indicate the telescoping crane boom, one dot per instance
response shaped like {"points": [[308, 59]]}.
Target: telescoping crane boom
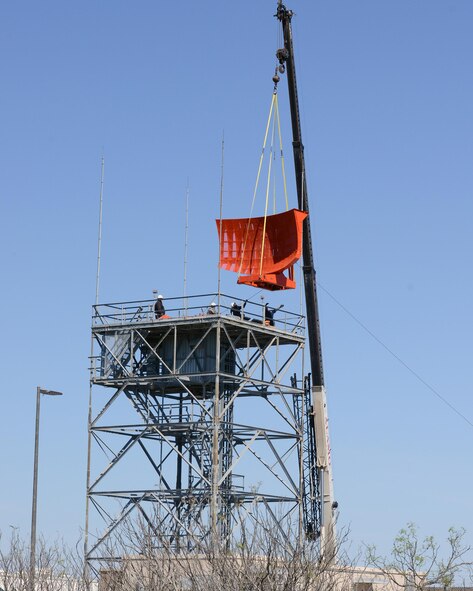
{"points": [[319, 424]]}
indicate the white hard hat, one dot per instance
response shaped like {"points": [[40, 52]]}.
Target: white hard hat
{"points": [[213, 304], [233, 304], [160, 297]]}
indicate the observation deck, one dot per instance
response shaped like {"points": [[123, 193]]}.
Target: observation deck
{"points": [[183, 310], [135, 345]]}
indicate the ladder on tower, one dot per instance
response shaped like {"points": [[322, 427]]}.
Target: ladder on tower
{"points": [[310, 493]]}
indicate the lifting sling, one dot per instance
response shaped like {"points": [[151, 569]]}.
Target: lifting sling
{"points": [[260, 249]]}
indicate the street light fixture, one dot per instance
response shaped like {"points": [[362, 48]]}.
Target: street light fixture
{"points": [[39, 391]]}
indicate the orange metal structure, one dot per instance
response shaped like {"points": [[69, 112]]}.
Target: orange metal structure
{"points": [[260, 249]]}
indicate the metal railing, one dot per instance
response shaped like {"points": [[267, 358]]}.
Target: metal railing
{"points": [[142, 311]]}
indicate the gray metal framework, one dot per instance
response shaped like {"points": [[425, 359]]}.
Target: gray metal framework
{"points": [[197, 420]]}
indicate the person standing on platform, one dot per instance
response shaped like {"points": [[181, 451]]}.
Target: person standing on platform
{"points": [[159, 310], [237, 310], [212, 308], [269, 315]]}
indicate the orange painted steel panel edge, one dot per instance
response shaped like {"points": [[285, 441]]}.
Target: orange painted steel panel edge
{"points": [[261, 252]]}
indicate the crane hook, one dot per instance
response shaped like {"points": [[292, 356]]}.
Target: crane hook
{"points": [[276, 78]]}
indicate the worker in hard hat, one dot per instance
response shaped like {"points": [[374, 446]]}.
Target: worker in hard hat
{"points": [[212, 308], [237, 310], [159, 310], [269, 315]]}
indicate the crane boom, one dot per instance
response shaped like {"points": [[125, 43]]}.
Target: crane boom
{"points": [[319, 424]]}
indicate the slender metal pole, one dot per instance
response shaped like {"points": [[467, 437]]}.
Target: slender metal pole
{"points": [[35, 493], [186, 244], [39, 391], [220, 217], [214, 499], [87, 484], [99, 245]]}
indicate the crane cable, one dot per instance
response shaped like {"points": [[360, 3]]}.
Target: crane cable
{"points": [[273, 118], [268, 182], [257, 181], [283, 169]]}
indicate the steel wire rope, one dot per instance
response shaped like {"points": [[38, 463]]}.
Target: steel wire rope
{"points": [[283, 168], [268, 184], [274, 190], [396, 356], [257, 181], [274, 185], [274, 119]]}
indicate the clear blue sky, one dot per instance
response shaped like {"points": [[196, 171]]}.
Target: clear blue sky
{"points": [[386, 92]]}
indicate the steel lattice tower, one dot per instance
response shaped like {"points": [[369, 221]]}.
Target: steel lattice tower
{"points": [[197, 421]]}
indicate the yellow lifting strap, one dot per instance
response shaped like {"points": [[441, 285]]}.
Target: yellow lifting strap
{"points": [[273, 118], [283, 170]]}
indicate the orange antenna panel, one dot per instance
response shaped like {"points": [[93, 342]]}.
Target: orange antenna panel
{"points": [[260, 249]]}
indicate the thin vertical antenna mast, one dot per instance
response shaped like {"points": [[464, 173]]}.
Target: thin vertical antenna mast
{"points": [[89, 420], [186, 243], [99, 244], [220, 216]]}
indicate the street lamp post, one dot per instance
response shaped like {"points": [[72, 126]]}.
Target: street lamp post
{"points": [[39, 391]]}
